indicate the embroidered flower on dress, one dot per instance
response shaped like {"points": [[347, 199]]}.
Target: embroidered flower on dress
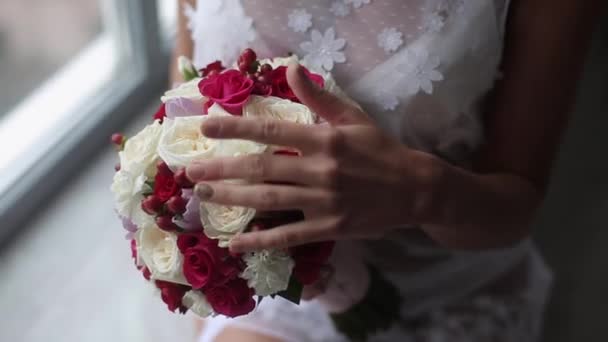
{"points": [[340, 9], [386, 100], [357, 3], [420, 71], [390, 39], [434, 23], [299, 20], [324, 49]]}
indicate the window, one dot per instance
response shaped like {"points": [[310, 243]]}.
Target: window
{"points": [[71, 70]]}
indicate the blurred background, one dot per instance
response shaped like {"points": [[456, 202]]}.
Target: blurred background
{"points": [[71, 69]]}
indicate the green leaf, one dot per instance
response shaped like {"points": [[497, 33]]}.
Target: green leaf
{"points": [[293, 293]]}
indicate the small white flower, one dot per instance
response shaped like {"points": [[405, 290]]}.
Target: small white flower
{"points": [[420, 71], [340, 9], [324, 49], [159, 252], [139, 154], [188, 90], [224, 222], [268, 271], [181, 141], [357, 3], [279, 109], [197, 303], [434, 23], [299, 20], [387, 101], [390, 39]]}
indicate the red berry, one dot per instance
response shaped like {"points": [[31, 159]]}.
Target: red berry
{"points": [[176, 205], [117, 139], [182, 180], [152, 205], [249, 55], [265, 69], [264, 79], [166, 223], [117, 167], [163, 168]]}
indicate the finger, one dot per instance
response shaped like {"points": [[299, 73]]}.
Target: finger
{"points": [[255, 168], [269, 197], [320, 101], [286, 236], [266, 131]]}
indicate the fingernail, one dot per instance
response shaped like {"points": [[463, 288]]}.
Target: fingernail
{"points": [[203, 191], [211, 128], [195, 171]]}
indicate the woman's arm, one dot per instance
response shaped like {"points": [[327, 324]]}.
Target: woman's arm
{"points": [[544, 54], [183, 43]]}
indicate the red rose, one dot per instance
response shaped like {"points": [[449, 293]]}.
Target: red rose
{"points": [[215, 67], [172, 295], [230, 89], [280, 87], [309, 259], [161, 113], [205, 263], [232, 299], [165, 186]]}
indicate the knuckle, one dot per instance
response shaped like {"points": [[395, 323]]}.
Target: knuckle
{"points": [[270, 128], [331, 174], [334, 141], [269, 199], [256, 167]]}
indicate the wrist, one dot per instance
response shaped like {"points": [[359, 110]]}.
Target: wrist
{"points": [[429, 173]]}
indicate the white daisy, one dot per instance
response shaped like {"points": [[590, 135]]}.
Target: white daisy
{"points": [[390, 39], [324, 49], [420, 71], [299, 20], [339, 9]]}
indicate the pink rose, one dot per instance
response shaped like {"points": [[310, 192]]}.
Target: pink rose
{"points": [[232, 299], [230, 89], [205, 263]]}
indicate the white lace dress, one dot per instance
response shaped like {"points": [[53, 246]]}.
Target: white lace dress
{"points": [[420, 69]]}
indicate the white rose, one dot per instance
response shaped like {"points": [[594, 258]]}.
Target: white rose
{"points": [[268, 271], [188, 90], [280, 109], [128, 191], [186, 68], [197, 303], [159, 252], [139, 154], [234, 147], [224, 222], [181, 141], [280, 61]]}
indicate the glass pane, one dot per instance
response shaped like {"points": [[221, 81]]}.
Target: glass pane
{"points": [[38, 37], [167, 14]]}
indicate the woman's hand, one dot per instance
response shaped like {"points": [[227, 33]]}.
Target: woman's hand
{"points": [[352, 180]]}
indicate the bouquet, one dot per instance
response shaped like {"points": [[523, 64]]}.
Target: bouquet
{"points": [[179, 243]]}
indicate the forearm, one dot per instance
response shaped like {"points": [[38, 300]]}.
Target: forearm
{"points": [[183, 42], [476, 211]]}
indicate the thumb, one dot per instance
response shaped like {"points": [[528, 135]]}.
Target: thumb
{"points": [[327, 105]]}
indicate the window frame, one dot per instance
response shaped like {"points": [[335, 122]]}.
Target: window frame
{"points": [[143, 56]]}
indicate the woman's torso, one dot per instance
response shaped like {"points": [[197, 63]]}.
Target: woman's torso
{"points": [[419, 67]]}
